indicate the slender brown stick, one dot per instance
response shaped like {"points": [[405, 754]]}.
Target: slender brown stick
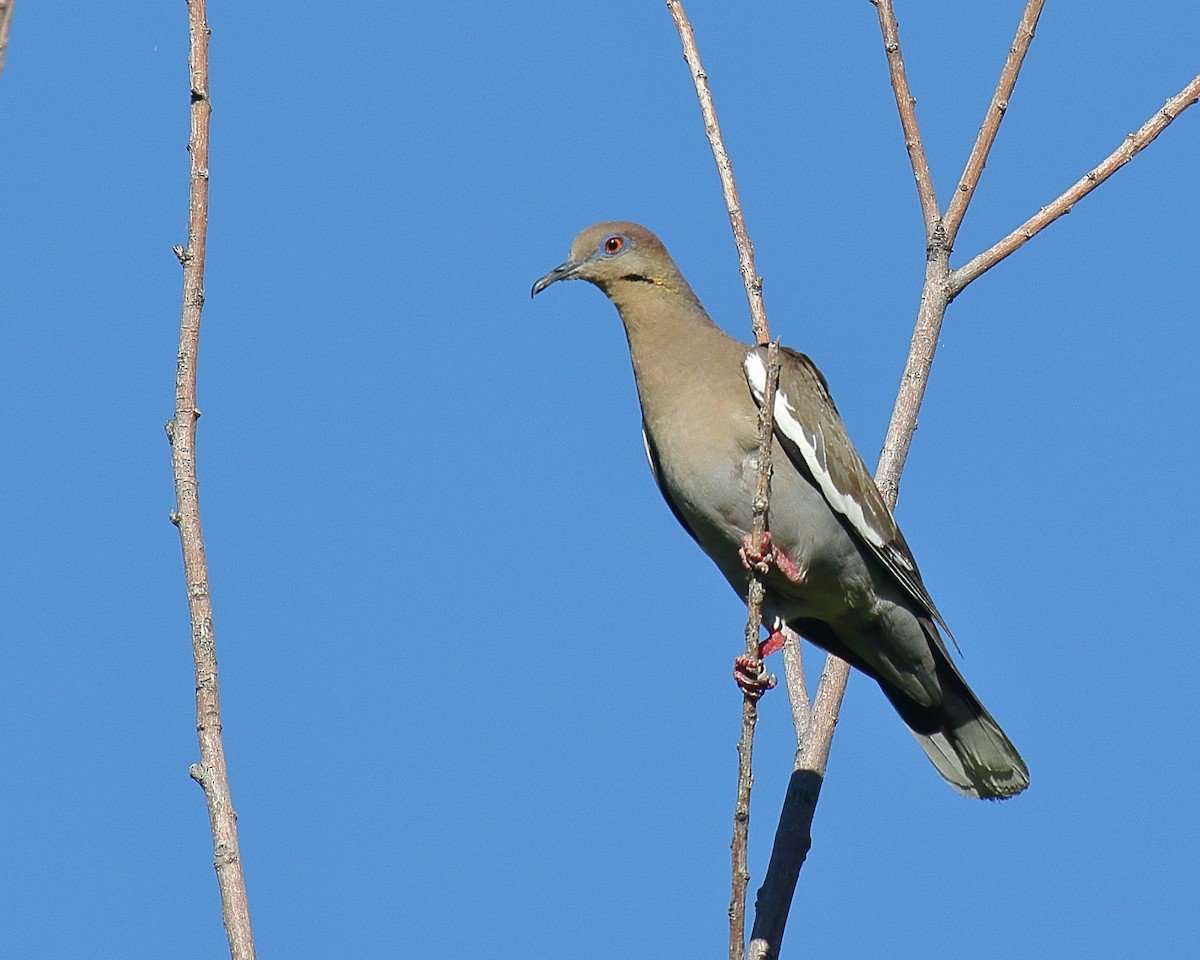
{"points": [[210, 772], [991, 122], [935, 297], [797, 688], [1133, 144], [907, 105], [750, 277], [755, 592], [6, 12], [754, 601], [793, 836]]}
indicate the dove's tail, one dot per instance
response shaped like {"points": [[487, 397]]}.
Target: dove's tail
{"points": [[965, 744], [953, 728]]}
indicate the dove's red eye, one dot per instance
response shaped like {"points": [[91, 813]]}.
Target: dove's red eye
{"points": [[614, 245]]}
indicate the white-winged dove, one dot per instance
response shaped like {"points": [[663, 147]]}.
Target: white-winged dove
{"points": [[842, 575]]}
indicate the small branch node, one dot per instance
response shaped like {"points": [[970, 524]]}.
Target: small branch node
{"points": [[175, 517], [181, 254]]}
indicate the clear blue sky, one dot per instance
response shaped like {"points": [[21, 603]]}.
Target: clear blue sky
{"points": [[476, 681]]}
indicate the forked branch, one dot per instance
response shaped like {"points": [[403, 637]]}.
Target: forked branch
{"points": [[991, 122], [1130, 147], [907, 105], [815, 726]]}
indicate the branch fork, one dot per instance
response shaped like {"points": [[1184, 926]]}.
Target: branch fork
{"points": [[815, 720]]}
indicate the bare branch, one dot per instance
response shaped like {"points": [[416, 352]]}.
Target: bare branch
{"points": [[6, 12], [991, 123], [211, 772], [930, 314], [907, 104], [1133, 144], [797, 688], [754, 600], [755, 592], [793, 836], [750, 277]]}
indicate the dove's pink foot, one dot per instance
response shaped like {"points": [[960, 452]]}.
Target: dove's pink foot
{"points": [[750, 673], [752, 677], [753, 559]]}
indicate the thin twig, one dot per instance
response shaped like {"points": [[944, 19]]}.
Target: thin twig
{"points": [[797, 687], [756, 590], [750, 277], [991, 122], [6, 12], [907, 104], [1133, 144], [211, 772], [754, 601]]}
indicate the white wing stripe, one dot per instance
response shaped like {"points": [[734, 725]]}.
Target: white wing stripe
{"points": [[812, 445]]}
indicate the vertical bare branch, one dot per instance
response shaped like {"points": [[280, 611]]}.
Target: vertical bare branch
{"points": [[750, 277], [754, 601], [1133, 144], [935, 297], [907, 104], [793, 836], [991, 123], [797, 688], [6, 12], [755, 592], [210, 772]]}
